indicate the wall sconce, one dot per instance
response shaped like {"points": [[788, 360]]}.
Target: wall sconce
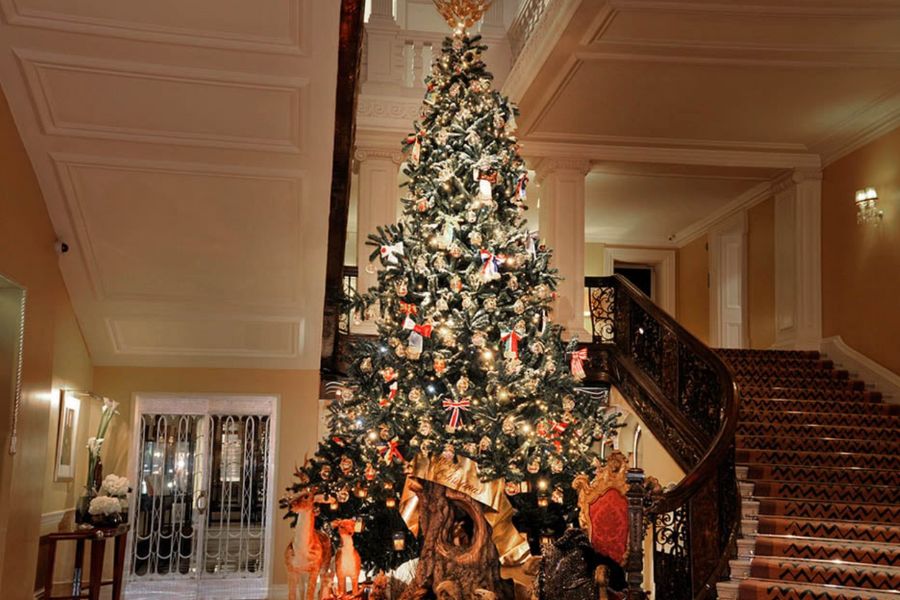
{"points": [[867, 207]]}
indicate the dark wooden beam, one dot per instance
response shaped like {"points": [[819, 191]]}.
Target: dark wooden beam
{"points": [[349, 58]]}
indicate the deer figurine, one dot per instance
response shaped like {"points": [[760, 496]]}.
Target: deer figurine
{"points": [[346, 561], [309, 552]]}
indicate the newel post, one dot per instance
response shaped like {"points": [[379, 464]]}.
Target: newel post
{"points": [[634, 561]]}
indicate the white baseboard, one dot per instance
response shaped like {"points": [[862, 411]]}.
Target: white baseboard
{"points": [[884, 380]]}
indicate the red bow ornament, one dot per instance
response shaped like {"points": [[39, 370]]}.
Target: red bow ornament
{"points": [[392, 393], [455, 407], [390, 451], [417, 333], [577, 363]]}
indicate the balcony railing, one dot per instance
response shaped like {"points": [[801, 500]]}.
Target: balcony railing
{"points": [[525, 24]]}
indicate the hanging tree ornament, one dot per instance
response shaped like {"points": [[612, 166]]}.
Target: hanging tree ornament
{"points": [[510, 339], [390, 451], [390, 252], [490, 265], [392, 394], [454, 407], [577, 363]]}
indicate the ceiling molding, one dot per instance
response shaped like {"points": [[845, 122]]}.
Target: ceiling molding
{"points": [[722, 157], [296, 43], [37, 68], [797, 58], [64, 165], [624, 240], [852, 137], [845, 8], [744, 202], [588, 138], [125, 342]]}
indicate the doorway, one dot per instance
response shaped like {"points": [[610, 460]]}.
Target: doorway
{"points": [[642, 276], [201, 513]]}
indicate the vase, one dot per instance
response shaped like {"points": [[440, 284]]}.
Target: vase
{"points": [[81, 509], [106, 521]]}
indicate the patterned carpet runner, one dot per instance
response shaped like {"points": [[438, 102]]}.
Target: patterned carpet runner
{"points": [[821, 454]]}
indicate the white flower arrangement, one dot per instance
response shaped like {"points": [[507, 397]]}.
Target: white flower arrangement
{"points": [[116, 486], [105, 505]]}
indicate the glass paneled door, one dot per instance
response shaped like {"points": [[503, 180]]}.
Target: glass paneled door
{"points": [[201, 512]]}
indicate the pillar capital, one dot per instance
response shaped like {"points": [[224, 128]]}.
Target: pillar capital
{"points": [[791, 179], [364, 153], [553, 165]]}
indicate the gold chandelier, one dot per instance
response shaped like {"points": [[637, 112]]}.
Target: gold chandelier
{"points": [[462, 14]]}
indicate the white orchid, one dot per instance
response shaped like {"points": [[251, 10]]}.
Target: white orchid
{"points": [[113, 485], [110, 406], [94, 445], [105, 505]]}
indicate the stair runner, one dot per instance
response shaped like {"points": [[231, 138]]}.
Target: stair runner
{"points": [[818, 458]]}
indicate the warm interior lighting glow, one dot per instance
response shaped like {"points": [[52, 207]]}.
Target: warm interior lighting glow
{"points": [[867, 210]]}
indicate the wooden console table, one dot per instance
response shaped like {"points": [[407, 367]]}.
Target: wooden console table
{"points": [[97, 538]]}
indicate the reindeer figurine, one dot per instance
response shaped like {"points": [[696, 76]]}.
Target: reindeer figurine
{"points": [[346, 561], [309, 552]]}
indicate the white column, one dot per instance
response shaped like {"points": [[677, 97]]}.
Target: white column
{"points": [[798, 260], [561, 222], [378, 199]]}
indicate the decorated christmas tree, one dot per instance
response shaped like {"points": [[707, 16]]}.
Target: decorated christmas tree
{"points": [[468, 396]]}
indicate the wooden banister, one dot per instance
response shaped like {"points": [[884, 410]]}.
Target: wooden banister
{"points": [[687, 397]]}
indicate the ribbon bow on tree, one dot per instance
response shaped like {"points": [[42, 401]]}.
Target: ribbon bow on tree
{"points": [[390, 451], [511, 340], [392, 393], [521, 185], [455, 407], [417, 333], [490, 265], [577, 363], [556, 431], [390, 252], [408, 308]]}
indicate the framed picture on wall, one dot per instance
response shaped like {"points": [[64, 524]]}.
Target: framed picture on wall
{"points": [[69, 406]]}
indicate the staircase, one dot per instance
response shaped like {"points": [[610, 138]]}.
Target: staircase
{"points": [[818, 460]]}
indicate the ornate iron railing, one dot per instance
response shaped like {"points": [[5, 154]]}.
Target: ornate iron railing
{"points": [[687, 398]]}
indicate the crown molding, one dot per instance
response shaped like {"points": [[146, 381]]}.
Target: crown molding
{"points": [[846, 8], [629, 241], [833, 152], [744, 202], [721, 157]]}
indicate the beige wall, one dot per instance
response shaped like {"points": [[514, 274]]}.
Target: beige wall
{"points": [[54, 355], [761, 274], [298, 392], [861, 263], [692, 289]]}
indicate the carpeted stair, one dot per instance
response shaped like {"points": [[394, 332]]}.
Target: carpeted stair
{"points": [[818, 457]]}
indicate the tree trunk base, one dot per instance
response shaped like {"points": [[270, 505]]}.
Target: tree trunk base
{"points": [[458, 559]]}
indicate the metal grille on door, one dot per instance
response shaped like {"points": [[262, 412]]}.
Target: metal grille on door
{"points": [[201, 501]]}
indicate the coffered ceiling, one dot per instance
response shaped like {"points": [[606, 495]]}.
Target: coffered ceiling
{"points": [[184, 153]]}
